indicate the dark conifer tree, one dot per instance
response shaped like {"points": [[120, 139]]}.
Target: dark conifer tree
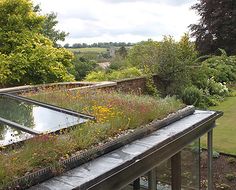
{"points": [[217, 26]]}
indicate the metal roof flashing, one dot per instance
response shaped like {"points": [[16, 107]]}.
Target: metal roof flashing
{"points": [[118, 168]]}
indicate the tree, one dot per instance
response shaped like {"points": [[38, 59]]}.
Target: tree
{"points": [[122, 51], [18, 24], [144, 55], [173, 66], [217, 26], [26, 55], [67, 45], [48, 29], [82, 67]]}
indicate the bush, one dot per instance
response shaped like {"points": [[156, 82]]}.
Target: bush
{"points": [[217, 88], [215, 154], [82, 67], [125, 73], [169, 59], [192, 96], [114, 75], [118, 63], [144, 56], [96, 76], [173, 66], [222, 68]]}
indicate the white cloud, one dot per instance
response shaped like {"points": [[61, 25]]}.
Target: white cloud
{"points": [[122, 20]]}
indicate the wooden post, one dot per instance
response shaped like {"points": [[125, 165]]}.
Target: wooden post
{"points": [[176, 171], [152, 180], [209, 160], [136, 184]]}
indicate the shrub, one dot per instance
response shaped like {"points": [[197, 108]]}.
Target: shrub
{"points": [[117, 63], [144, 56], [215, 154], [217, 88], [192, 96], [96, 76], [173, 67], [82, 67], [114, 75], [222, 68], [125, 73]]}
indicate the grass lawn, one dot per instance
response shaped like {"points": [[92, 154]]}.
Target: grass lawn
{"points": [[84, 50], [224, 135]]}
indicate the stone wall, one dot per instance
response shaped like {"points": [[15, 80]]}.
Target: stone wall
{"points": [[133, 85]]}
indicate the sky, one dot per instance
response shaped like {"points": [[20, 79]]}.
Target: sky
{"points": [[89, 21]]}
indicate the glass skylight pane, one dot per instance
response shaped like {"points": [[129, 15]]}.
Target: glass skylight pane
{"points": [[9, 135], [36, 117]]}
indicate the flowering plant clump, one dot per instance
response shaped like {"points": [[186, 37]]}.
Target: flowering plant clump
{"points": [[115, 113]]}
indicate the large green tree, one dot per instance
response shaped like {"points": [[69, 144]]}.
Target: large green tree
{"points": [[27, 55], [172, 61], [145, 56], [49, 30], [216, 27]]}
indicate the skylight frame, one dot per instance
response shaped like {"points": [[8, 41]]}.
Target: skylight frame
{"points": [[45, 105]]}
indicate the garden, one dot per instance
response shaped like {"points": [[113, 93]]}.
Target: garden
{"points": [[200, 73], [117, 114]]}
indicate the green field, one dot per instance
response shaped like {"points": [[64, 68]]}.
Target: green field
{"points": [[89, 50], [224, 138]]}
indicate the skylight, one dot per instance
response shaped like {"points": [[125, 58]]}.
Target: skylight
{"points": [[22, 118]]}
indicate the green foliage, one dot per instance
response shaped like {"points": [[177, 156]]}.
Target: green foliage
{"points": [[117, 63], [122, 51], [18, 24], [216, 88], [168, 59], [173, 66], [216, 27], [4, 70], [222, 68], [114, 75], [150, 86], [125, 73], [144, 56], [27, 56], [210, 95], [48, 29], [192, 95], [96, 76], [215, 154], [82, 67], [114, 112], [187, 51], [212, 75], [39, 65]]}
